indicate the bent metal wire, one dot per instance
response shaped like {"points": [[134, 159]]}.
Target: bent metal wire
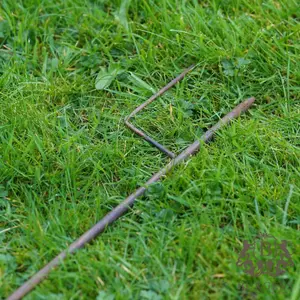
{"points": [[124, 206], [151, 99]]}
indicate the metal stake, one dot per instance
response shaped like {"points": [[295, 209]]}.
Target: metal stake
{"points": [[129, 201]]}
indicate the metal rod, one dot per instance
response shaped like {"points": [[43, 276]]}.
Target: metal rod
{"points": [[150, 140], [147, 102], [127, 203]]}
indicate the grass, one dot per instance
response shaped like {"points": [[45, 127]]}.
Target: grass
{"points": [[66, 157]]}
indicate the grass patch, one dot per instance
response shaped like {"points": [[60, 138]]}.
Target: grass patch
{"points": [[66, 157]]}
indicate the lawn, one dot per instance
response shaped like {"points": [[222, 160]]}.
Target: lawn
{"points": [[72, 70]]}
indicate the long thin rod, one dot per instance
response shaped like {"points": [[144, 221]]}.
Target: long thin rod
{"points": [[147, 102], [127, 203]]}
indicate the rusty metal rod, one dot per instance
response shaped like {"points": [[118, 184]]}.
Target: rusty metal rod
{"points": [[127, 203], [147, 102]]}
